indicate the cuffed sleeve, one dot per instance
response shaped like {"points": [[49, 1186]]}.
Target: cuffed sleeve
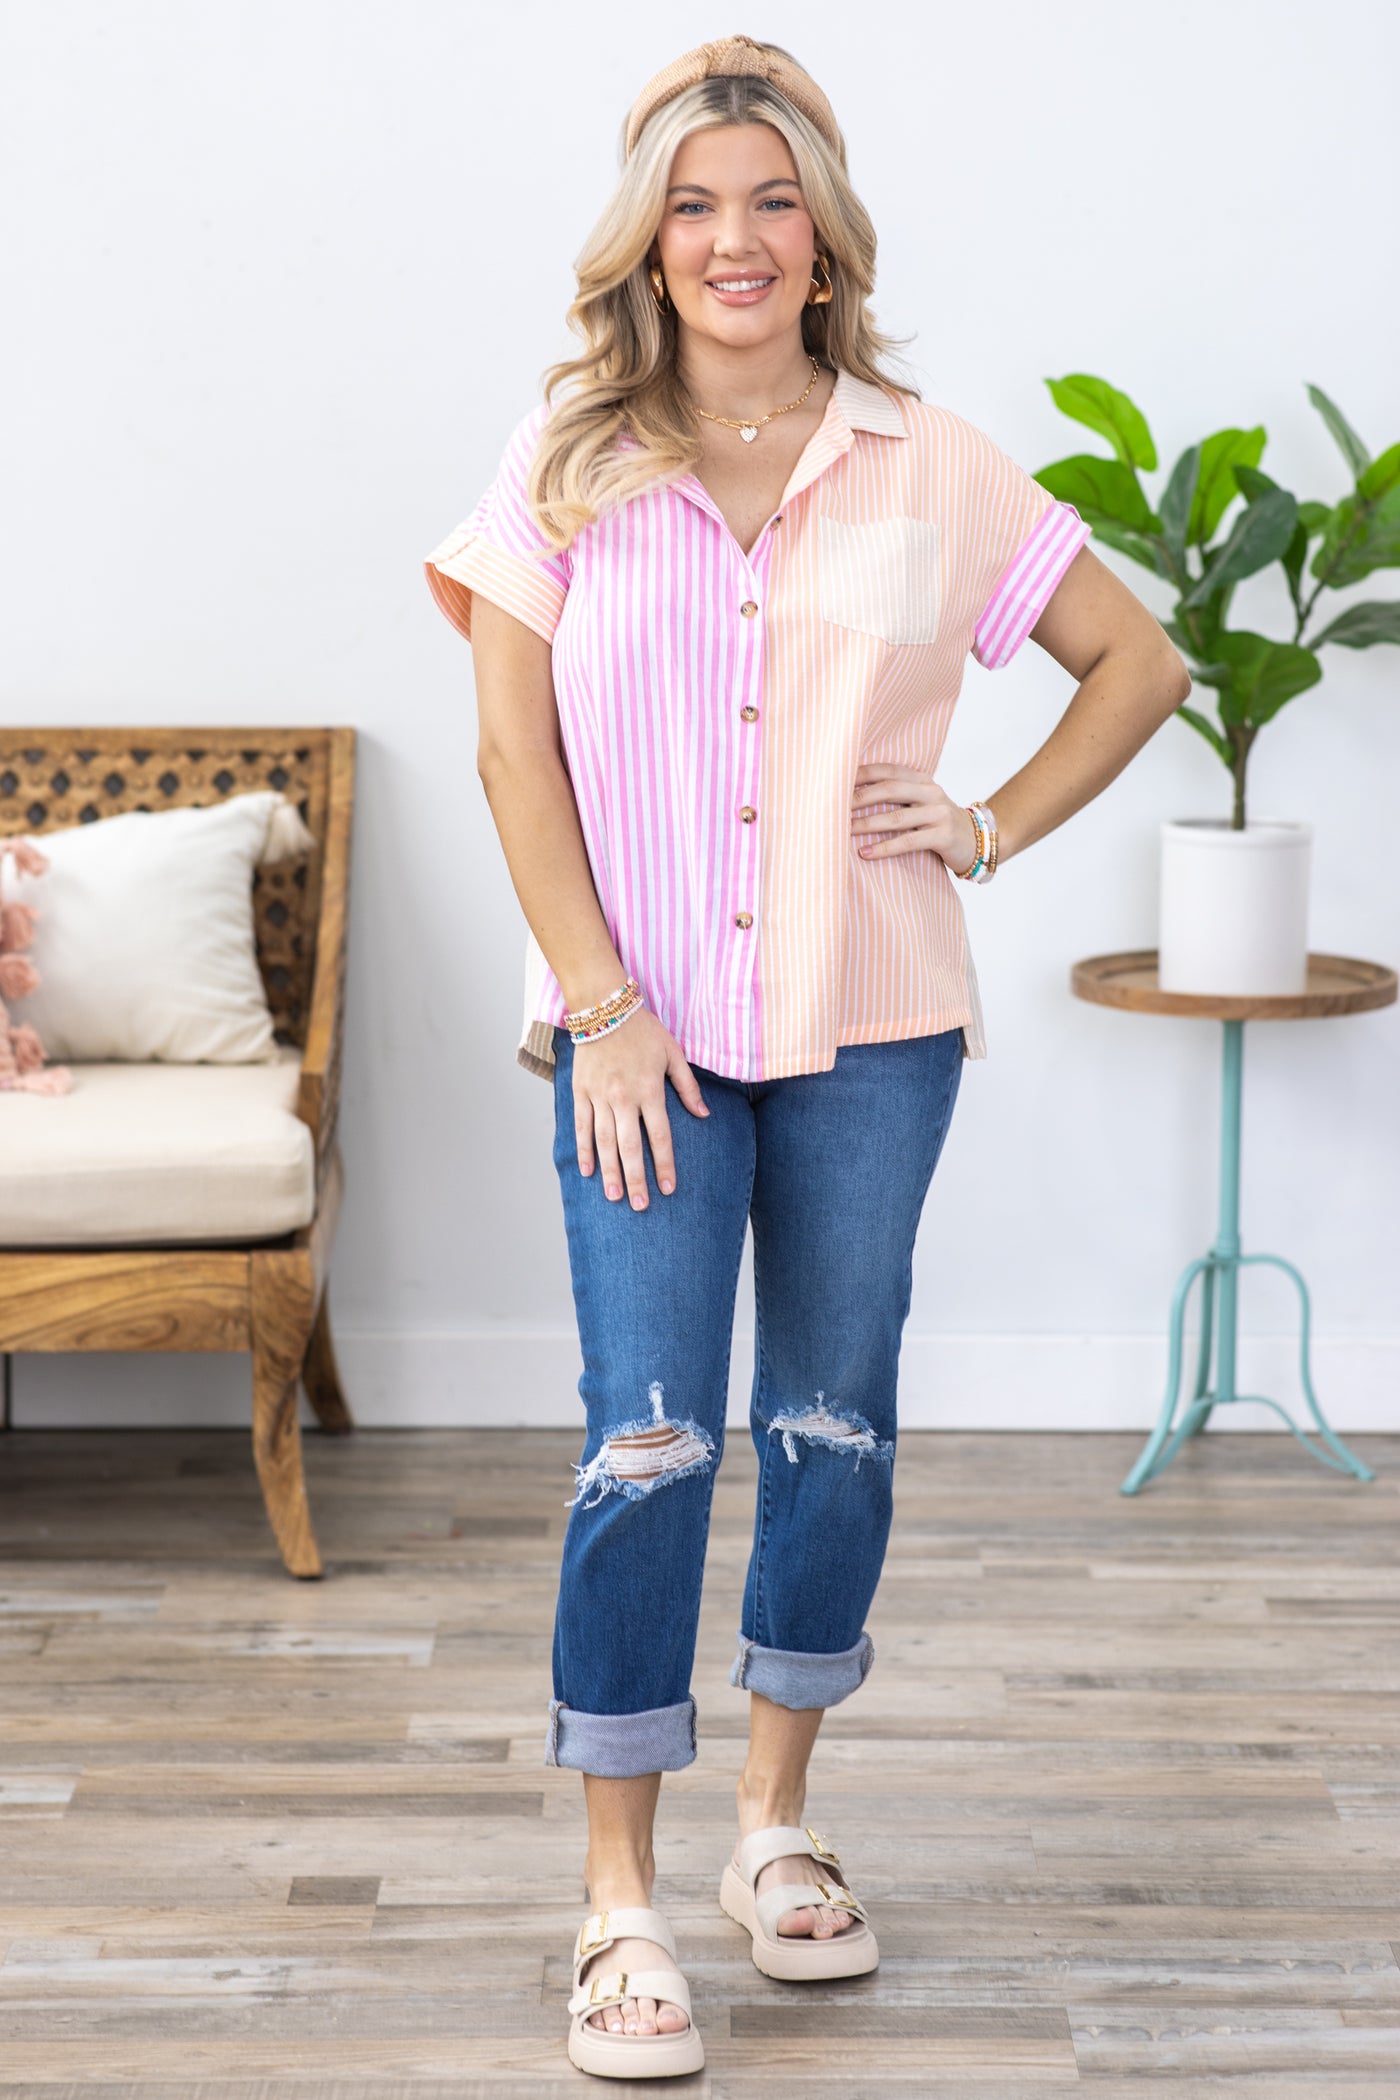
{"points": [[500, 551], [1016, 547], [1028, 582]]}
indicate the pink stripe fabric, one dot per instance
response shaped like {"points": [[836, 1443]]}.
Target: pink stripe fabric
{"points": [[1028, 585], [715, 705]]}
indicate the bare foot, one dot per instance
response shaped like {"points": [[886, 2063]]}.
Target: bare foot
{"points": [[818, 1921], [635, 2015]]}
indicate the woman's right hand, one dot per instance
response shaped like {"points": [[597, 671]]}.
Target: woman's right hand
{"points": [[619, 1084]]}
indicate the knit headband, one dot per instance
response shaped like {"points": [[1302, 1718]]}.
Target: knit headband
{"points": [[735, 55]]}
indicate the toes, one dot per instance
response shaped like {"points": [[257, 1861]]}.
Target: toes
{"points": [[819, 1922], [640, 2016]]}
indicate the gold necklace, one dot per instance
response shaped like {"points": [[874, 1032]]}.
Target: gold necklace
{"points": [[749, 429]]}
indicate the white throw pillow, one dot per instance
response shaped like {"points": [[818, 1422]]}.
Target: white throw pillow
{"points": [[145, 945]]}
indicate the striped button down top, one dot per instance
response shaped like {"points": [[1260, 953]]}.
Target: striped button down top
{"points": [[714, 707]]}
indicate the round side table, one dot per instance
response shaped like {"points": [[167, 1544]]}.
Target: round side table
{"points": [[1337, 984]]}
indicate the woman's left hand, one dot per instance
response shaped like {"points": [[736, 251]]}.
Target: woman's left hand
{"points": [[928, 818]]}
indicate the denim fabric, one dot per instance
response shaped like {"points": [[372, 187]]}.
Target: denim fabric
{"points": [[831, 1169], [790, 1678]]}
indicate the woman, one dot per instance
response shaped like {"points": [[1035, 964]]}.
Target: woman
{"points": [[720, 597]]}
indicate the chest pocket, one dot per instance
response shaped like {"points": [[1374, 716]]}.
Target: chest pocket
{"points": [[882, 579]]}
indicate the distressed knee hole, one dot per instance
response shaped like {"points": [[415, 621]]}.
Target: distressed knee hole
{"points": [[644, 1455], [821, 1425]]}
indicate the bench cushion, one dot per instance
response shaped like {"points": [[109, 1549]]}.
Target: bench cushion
{"points": [[142, 1153]]}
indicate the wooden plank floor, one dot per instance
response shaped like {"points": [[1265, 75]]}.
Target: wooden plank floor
{"points": [[1122, 1790]]}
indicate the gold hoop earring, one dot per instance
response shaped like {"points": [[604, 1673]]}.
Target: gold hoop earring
{"points": [[658, 289], [820, 291]]}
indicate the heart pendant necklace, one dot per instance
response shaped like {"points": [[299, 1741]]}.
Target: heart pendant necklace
{"points": [[750, 427]]}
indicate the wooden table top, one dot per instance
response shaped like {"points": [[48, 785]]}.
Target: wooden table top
{"points": [[1337, 984]]}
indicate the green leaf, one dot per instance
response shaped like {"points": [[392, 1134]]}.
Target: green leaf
{"points": [[1103, 408], [1148, 552], [1254, 483], [1207, 622], [1360, 538], [1295, 554], [1264, 675], [1177, 498], [1381, 476], [1348, 443], [1231, 703], [1176, 634], [1100, 489], [1217, 487], [1208, 730], [1261, 534], [1360, 626], [1313, 517]]}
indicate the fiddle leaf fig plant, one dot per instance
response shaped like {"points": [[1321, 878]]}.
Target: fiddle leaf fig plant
{"points": [[1191, 540]]}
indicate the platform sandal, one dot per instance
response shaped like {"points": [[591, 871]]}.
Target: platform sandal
{"points": [[629, 2055], [795, 1957]]}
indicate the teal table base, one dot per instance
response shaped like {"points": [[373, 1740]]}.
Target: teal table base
{"points": [[1220, 1276]]}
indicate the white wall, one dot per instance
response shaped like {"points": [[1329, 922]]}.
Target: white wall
{"points": [[282, 277]]}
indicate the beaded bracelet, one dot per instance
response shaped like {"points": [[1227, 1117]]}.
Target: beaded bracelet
{"points": [[589, 1022], [983, 811], [984, 823], [970, 874]]}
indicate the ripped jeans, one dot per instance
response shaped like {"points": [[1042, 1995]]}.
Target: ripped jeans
{"points": [[832, 1169]]}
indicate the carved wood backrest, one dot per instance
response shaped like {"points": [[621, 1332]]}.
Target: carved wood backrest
{"points": [[52, 778]]}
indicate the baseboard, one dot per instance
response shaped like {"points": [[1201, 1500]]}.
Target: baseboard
{"points": [[530, 1381]]}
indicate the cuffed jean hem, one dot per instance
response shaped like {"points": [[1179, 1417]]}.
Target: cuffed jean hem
{"points": [[790, 1678], [621, 1746]]}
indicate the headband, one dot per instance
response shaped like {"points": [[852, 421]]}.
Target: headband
{"points": [[733, 55]]}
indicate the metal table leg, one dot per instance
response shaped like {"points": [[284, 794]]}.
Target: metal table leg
{"points": [[1219, 1271]]}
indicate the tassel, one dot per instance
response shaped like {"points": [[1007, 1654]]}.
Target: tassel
{"points": [[287, 835]]}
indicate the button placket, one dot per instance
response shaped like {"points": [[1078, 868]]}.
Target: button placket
{"points": [[744, 898]]}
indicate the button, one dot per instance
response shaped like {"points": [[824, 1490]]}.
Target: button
{"points": [[748, 608], [748, 814], [749, 714], [779, 519], [743, 918]]}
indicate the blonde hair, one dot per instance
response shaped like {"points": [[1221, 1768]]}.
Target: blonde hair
{"points": [[625, 381]]}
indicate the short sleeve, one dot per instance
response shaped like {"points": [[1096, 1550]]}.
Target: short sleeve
{"points": [[500, 551], [1023, 541]]}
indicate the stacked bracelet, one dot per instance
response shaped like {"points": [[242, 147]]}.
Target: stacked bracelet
{"points": [[984, 867], [592, 1021]]}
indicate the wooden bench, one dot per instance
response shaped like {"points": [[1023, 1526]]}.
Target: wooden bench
{"points": [[266, 1296]]}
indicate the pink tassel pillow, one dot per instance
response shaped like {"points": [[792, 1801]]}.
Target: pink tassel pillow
{"points": [[22, 1069]]}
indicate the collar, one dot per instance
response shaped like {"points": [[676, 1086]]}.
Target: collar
{"points": [[864, 406], [855, 404]]}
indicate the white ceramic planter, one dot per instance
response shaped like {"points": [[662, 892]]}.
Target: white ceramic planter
{"points": [[1234, 907]]}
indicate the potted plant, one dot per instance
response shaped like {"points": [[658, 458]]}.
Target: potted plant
{"points": [[1234, 893]]}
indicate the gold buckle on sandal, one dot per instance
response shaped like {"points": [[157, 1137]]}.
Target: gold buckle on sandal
{"points": [[839, 1898], [598, 1996], [820, 1848], [591, 1946]]}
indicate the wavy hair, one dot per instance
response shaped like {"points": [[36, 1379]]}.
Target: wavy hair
{"points": [[625, 384]]}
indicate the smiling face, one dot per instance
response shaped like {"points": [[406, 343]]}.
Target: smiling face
{"points": [[736, 241]]}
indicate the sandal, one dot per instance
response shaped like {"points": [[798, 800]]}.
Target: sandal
{"points": [[795, 1957], [629, 2055]]}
